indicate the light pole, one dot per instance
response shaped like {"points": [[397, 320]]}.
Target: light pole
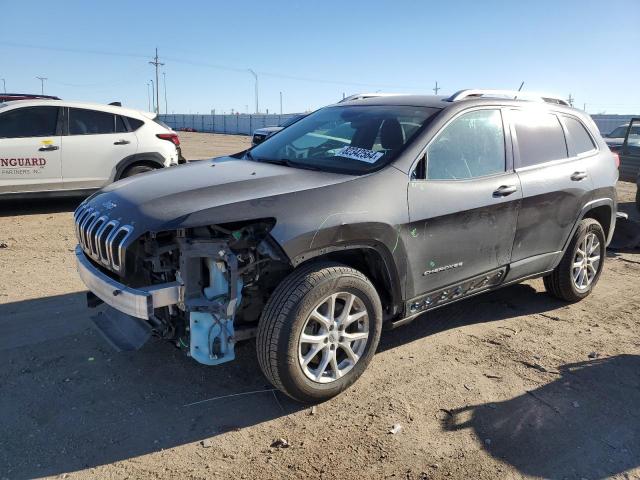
{"points": [[148, 97], [156, 63], [42, 79], [255, 76], [4, 85], [164, 80], [153, 89], [280, 103]]}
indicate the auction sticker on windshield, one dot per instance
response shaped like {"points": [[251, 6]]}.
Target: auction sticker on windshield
{"points": [[361, 154]]}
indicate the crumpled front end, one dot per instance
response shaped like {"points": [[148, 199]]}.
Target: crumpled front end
{"points": [[201, 288]]}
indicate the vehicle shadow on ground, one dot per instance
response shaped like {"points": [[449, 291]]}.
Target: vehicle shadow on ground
{"points": [[626, 237], [514, 301], [585, 424], [69, 402], [36, 206]]}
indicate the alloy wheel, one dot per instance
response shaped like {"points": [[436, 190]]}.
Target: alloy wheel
{"points": [[334, 337], [586, 262]]}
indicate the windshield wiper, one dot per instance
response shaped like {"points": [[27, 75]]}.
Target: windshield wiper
{"points": [[282, 161]]}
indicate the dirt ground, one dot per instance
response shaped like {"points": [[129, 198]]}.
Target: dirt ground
{"points": [[511, 384], [198, 146]]}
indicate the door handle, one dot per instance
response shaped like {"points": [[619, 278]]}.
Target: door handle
{"points": [[505, 190], [577, 176], [122, 142], [48, 148]]}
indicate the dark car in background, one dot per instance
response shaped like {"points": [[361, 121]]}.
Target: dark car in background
{"points": [[617, 136], [625, 142], [260, 134]]}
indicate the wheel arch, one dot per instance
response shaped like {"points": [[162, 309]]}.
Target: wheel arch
{"points": [[603, 210], [152, 159], [374, 261], [603, 214]]}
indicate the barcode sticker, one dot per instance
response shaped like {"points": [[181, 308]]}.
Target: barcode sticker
{"points": [[361, 154]]}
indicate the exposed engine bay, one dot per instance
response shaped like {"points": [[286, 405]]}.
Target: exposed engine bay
{"points": [[225, 275]]}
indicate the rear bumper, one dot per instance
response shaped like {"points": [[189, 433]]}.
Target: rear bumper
{"points": [[137, 302]]}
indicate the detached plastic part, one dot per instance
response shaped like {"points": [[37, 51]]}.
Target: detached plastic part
{"points": [[212, 334], [211, 338], [123, 332]]}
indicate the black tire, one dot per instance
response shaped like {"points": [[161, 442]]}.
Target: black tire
{"points": [[136, 170], [560, 283], [284, 319]]}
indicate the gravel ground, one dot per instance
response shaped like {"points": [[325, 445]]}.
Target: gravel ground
{"points": [[510, 384]]}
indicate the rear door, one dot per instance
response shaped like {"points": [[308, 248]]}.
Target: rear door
{"points": [[463, 203], [30, 149], [94, 143], [555, 185]]}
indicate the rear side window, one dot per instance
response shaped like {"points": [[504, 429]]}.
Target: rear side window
{"points": [[540, 137], [90, 122], [134, 123], [161, 123], [29, 122], [579, 139], [471, 146], [120, 126]]}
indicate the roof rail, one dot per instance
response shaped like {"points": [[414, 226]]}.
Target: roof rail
{"points": [[362, 96], [515, 94]]}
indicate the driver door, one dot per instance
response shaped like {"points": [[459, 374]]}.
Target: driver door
{"points": [[463, 203], [30, 140]]}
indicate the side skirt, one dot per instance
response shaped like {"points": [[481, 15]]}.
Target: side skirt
{"points": [[493, 280]]}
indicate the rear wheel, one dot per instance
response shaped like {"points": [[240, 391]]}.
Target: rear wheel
{"points": [[136, 170], [579, 270], [319, 331]]}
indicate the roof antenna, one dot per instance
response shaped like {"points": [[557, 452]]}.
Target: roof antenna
{"points": [[519, 89]]}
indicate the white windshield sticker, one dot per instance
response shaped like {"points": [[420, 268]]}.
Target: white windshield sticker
{"points": [[361, 154]]}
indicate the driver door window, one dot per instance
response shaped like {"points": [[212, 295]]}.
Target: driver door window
{"points": [[471, 146]]}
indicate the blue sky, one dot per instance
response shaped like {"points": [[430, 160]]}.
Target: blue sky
{"points": [[314, 51]]}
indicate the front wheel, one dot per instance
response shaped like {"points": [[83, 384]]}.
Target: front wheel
{"points": [[579, 270], [319, 331]]}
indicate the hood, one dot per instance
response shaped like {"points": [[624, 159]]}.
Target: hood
{"points": [[267, 130], [190, 195]]}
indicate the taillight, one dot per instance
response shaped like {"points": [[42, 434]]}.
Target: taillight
{"points": [[616, 159], [172, 137]]}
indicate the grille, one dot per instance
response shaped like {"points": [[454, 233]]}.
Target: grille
{"points": [[101, 239]]}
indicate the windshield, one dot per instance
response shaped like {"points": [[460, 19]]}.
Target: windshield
{"points": [[350, 139], [620, 132]]}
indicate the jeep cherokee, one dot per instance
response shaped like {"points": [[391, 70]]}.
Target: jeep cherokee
{"points": [[364, 214]]}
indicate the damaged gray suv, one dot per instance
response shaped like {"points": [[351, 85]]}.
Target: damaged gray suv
{"points": [[363, 215]]}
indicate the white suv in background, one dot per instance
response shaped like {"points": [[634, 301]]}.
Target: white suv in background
{"points": [[57, 147]]}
